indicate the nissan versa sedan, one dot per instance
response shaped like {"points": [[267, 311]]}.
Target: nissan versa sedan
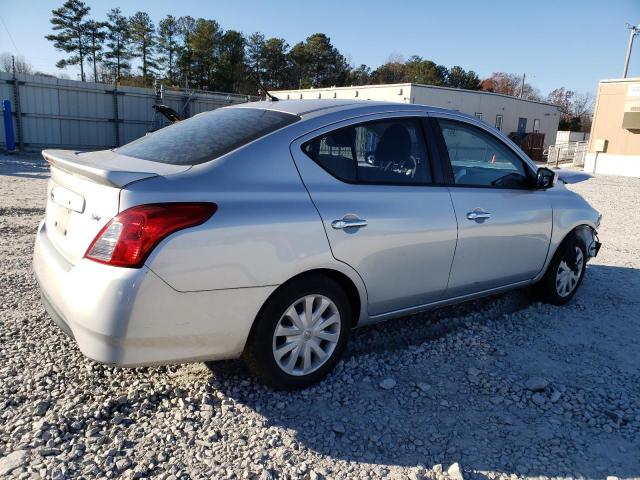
{"points": [[269, 230]]}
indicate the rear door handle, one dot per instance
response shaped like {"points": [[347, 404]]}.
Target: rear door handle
{"points": [[478, 214], [348, 223]]}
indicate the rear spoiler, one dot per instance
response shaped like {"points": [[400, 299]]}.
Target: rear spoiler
{"points": [[107, 167]]}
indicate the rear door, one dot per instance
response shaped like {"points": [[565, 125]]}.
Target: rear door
{"points": [[372, 183], [504, 225]]}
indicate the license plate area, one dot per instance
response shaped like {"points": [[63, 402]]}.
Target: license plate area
{"points": [[61, 220]]}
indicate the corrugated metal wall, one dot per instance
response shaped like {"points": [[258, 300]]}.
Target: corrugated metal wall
{"points": [[82, 115]]}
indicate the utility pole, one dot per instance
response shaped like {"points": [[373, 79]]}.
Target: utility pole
{"points": [[633, 31], [524, 75]]}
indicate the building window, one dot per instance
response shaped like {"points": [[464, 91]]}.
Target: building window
{"points": [[478, 115], [536, 125], [499, 122]]}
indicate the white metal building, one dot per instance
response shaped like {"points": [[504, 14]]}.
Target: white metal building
{"points": [[509, 114]]}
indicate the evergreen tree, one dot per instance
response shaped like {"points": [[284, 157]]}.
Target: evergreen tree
{"points": [[168, 46], [143, 39], [275, 63], [460, 78], [96, 34], [255, 45], [186, 30], [204, 44], [299, 60], [326, 66], [425, 72], [231, 64], [360, 75], [69, 20], [118, 52]]}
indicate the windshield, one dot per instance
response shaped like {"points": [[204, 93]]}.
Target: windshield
{"points": [[207, 136]]}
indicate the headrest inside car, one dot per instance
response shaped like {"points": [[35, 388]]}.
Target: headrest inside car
{"points": [[341, 139]]}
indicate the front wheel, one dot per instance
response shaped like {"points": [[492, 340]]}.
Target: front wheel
{"points": [[565, 272], [300, 334]]}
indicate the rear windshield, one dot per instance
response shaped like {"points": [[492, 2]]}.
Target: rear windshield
{"points": [[207, 135]]}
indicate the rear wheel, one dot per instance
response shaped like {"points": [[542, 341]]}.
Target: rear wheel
{"points": [[299, 334], [565, 272]]}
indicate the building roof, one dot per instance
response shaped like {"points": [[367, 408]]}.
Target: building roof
{"points": [[620, 80], [419, 85]]}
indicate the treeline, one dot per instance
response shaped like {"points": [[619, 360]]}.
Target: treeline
{"points": [[198, 53]]}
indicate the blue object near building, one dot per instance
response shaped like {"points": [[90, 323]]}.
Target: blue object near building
{"points": [[10, 138]]}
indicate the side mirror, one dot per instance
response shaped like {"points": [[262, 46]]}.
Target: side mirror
{"points": [[546, 178]]}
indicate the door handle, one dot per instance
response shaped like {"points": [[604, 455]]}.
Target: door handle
{"points": [[478, 214], [349, 223]]}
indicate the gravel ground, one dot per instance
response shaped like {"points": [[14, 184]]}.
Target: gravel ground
{"points": [[499, 388]]}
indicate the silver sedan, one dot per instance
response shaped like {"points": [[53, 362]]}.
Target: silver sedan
{"points": [[270, 230]]}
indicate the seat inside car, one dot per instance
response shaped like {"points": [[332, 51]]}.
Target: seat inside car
{"points": [[394, 148]]}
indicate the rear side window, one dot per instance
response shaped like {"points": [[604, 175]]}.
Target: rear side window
{"points": [[207, 135], [384, 152]]}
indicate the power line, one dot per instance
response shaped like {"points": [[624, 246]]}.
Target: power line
{"points": [[10, 37]]}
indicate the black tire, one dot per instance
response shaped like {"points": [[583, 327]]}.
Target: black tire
{"points": [[258, 353], [548, 289]]}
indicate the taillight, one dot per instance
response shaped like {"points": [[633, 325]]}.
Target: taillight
{"points": [[128, 239]]}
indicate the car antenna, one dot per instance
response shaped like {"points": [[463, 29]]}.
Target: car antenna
{"points": [[262, 89]]}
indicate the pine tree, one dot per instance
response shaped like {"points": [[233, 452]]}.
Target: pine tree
{"points": [[255, 45], [69, 21], [186, 29], [275, 62], [231, 63], [118, 40], [205, 44], [143, 38], [96, 34], [168, 47]]}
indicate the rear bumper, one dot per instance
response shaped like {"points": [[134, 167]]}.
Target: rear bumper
{"points": [[130, 317]]}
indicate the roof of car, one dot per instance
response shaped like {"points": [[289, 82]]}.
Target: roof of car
{"points": [[308, 107]]}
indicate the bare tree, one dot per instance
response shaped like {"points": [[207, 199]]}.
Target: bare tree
{"points": [[582, 105], [21, 64]]}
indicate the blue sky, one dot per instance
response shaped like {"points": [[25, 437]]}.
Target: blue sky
{"points": [[569, 43]]}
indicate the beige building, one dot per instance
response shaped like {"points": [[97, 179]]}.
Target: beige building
{"points": [[614, 145], [506, 113]]}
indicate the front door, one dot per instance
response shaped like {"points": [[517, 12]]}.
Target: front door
{"points": [[372, 185], [522, 126], [504, 225]]}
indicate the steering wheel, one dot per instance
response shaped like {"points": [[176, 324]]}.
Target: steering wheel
{"points": [[503, 181], [408, 167]]}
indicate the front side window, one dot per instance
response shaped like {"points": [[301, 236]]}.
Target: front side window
{"points": [[386, 152], [479, 159], [207, 136]]}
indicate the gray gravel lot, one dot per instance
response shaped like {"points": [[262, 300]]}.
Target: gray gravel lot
{"points": [[499, 388]]}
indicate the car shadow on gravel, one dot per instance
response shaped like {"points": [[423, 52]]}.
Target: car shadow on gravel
{"points": [[441, 411], [24, 165]]}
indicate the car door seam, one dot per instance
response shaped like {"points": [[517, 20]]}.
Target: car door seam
{"points": [[455, 248]]}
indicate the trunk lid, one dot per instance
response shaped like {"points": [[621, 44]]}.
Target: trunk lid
{"points": [[83, 194]]}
